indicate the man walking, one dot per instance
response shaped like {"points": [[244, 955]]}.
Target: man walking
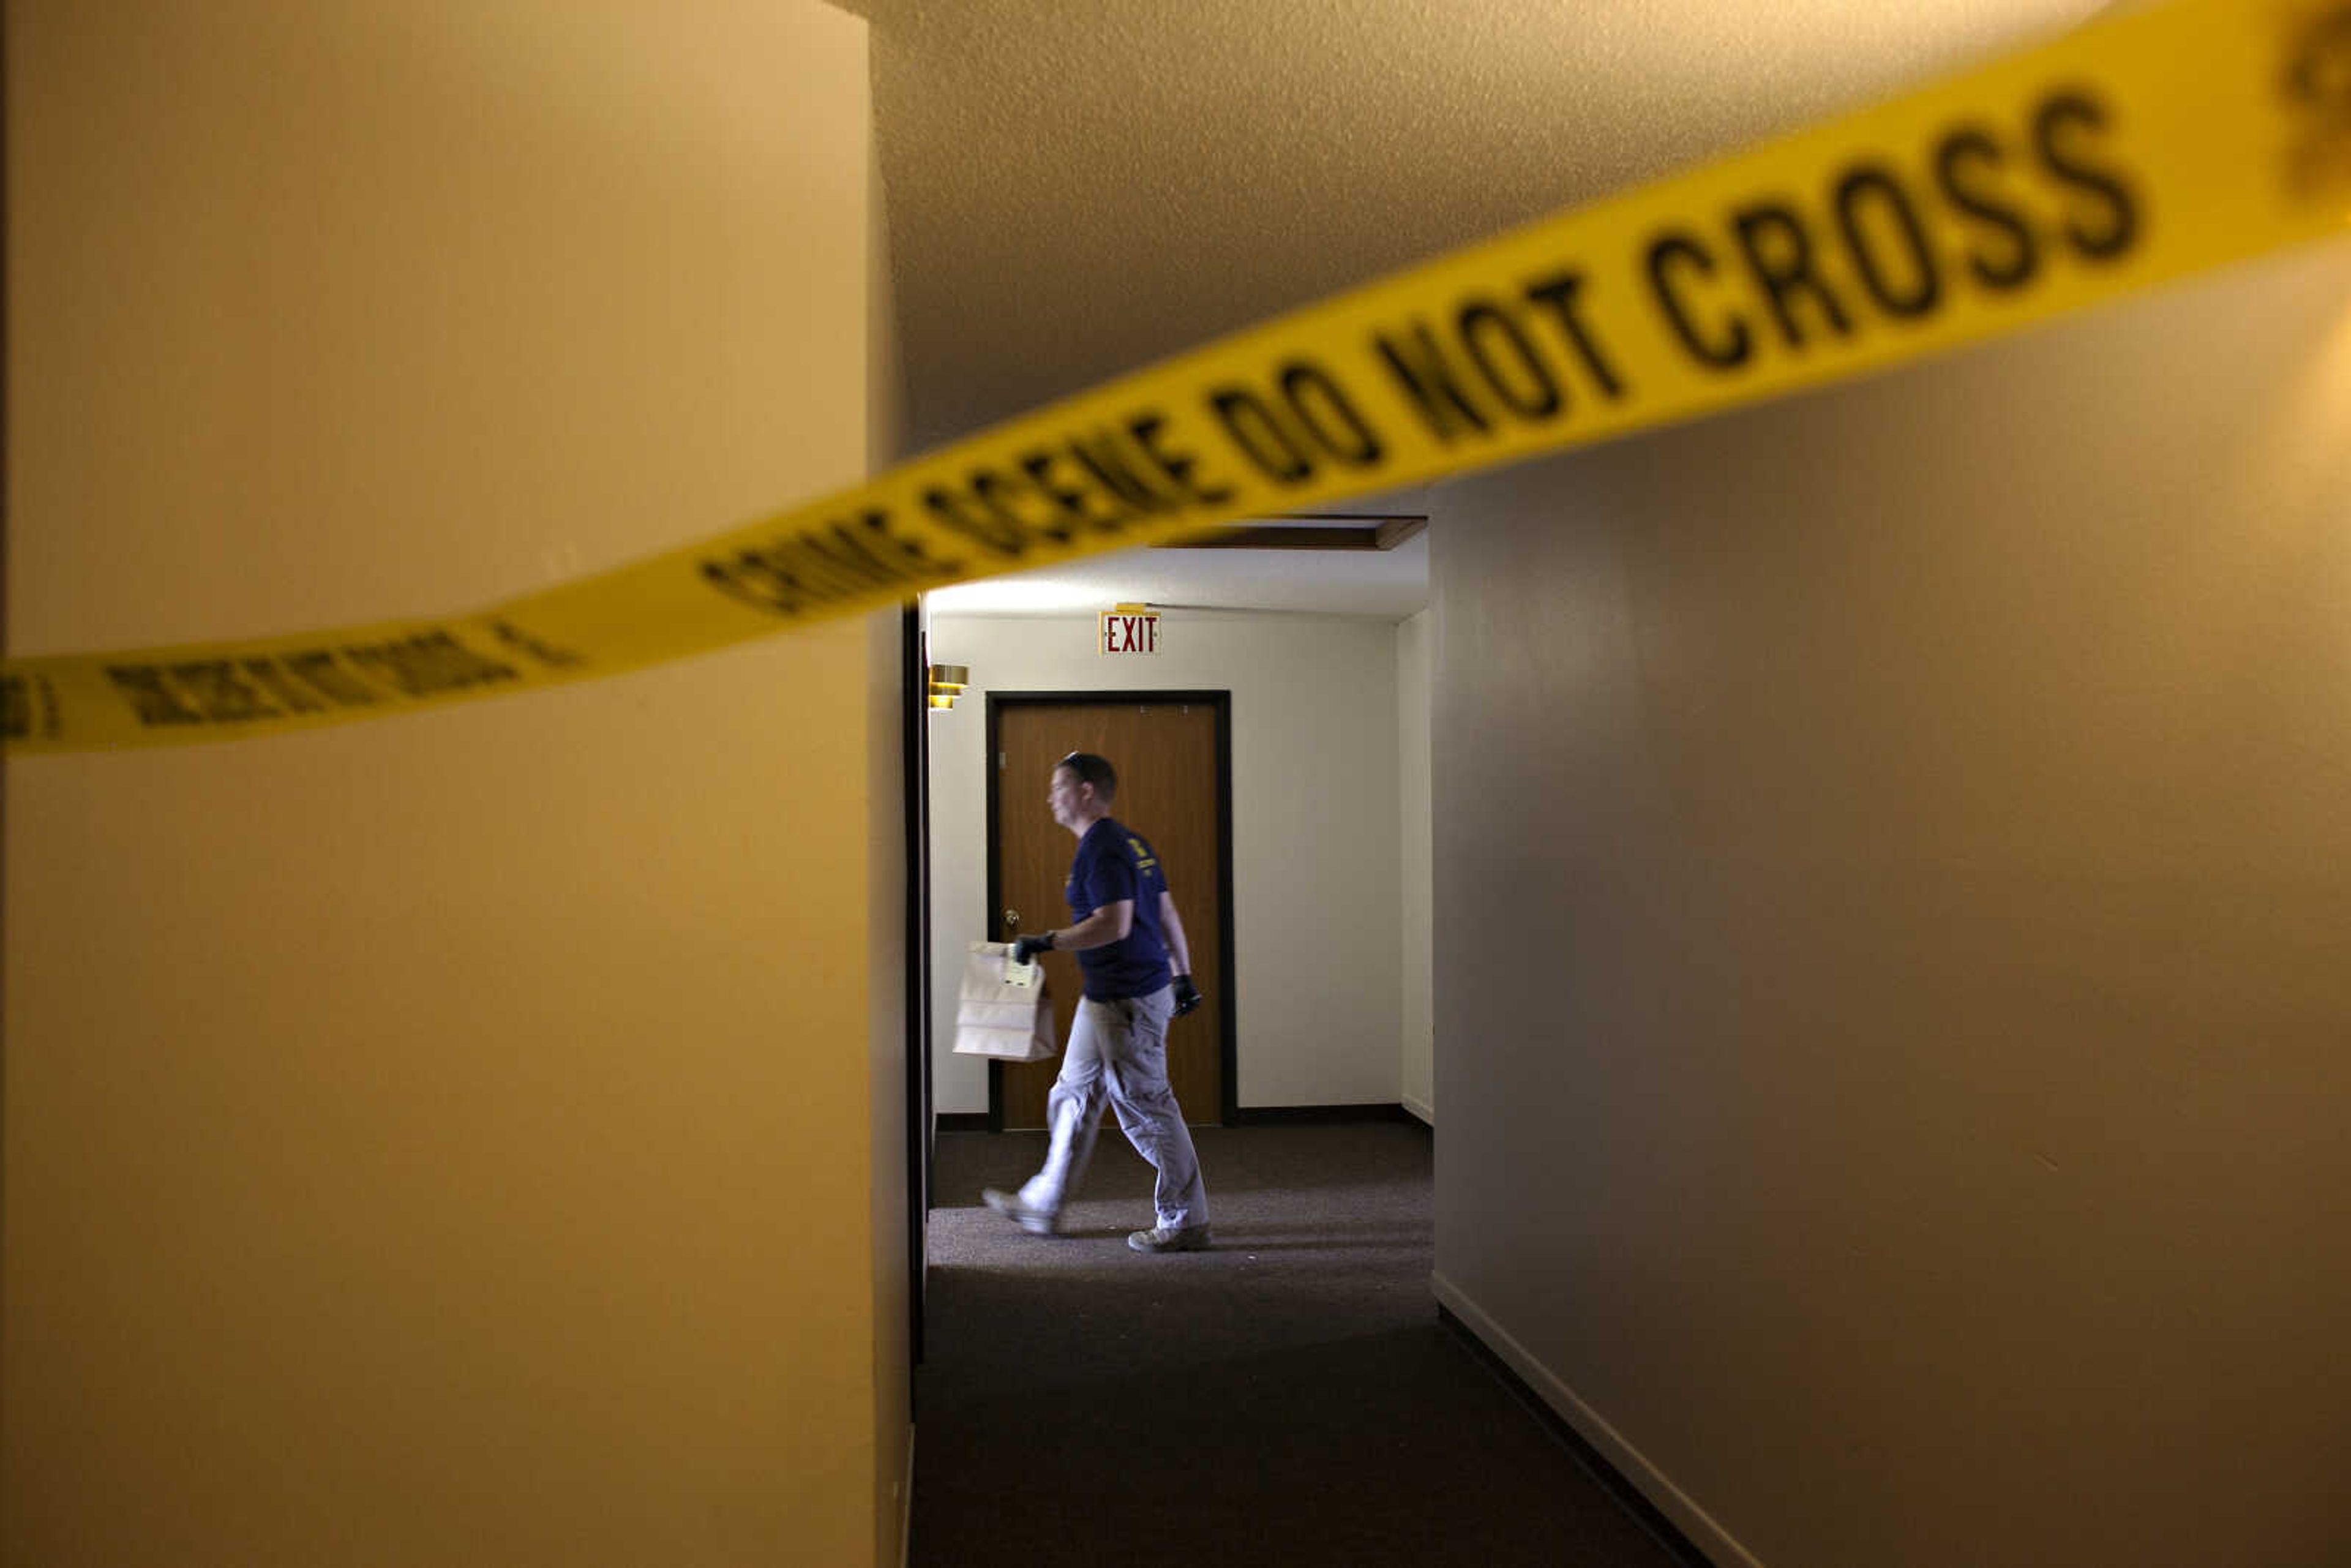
{"points": [[1138, 976]]}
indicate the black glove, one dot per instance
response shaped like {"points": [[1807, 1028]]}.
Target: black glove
{"points": [[1026, 949], [1187, 995]]}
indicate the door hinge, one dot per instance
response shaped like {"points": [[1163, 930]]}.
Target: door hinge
{"points": [[999, 762]]}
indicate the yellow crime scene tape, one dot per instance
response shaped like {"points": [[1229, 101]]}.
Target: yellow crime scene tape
{"points": [[2126, 155]]}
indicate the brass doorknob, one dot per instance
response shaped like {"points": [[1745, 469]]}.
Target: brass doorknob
{"points": [[1011, 922]]}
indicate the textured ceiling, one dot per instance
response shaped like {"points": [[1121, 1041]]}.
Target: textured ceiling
{"points": [[1078, 187], [1389, 584], [1075, 188]]}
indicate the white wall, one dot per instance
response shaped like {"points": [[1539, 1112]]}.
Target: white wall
{"points": [[1316, 873], [1414, 641], [459, 1138], [1893, 897]]}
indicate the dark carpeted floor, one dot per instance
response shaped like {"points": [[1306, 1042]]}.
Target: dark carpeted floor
{"points": [[1288, 1397]]}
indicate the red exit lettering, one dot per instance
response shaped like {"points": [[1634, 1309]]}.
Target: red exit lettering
{"points": [[1130, 633]]}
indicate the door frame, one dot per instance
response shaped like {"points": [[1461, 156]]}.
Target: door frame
{"points": [[1227, 1008]]}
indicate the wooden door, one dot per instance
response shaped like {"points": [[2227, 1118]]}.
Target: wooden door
{"points": [[1171, 775]]}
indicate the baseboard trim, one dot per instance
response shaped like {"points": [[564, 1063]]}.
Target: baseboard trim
{"points": [[1422, 1109], [1302, 1115], [962, 1121], [1671, 1515]]}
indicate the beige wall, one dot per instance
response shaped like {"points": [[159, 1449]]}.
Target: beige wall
{"points": [[454, 1139], [1893, 881], [893, 1267], [890, 1264], [1318, 934]]}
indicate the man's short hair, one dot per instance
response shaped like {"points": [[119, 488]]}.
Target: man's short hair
{"points": [[1094, 770]]}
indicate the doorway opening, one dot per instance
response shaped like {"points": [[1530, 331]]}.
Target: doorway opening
{"points": [[1172, 750]]}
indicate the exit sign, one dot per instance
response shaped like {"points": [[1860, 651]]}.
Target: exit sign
{"points": [[1128, 628]]}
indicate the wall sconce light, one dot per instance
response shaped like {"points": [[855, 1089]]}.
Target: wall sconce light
{"points": [[946, 683]]}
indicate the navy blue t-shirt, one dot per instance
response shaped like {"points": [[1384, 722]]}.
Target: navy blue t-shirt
{"points": [[1112, 864]]}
